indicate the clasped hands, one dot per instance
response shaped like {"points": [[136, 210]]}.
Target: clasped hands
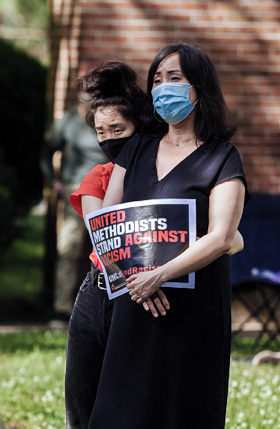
{"points": [[142, 286]]}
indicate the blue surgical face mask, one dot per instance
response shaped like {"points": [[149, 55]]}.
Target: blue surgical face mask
{"points": [[171, 101]]}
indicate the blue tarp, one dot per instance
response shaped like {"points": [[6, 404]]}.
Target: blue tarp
{"points": [[260, 227]]}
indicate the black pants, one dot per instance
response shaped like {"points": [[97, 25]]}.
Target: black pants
{"points": [[87, 339]]}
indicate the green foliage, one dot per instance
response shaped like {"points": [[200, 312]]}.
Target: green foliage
{"points": [[34, 11], [7, 229], [29, 13], [21, 274], [25, 23], [22, 119]]}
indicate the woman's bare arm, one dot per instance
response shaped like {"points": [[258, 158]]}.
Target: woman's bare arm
{"points": [[114, 191], [225, 210], [237, 245], [113, 194], [90, 204]]}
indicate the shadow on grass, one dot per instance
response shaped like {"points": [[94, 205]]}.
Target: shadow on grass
{"points": [[26, 342], [247, 347]]}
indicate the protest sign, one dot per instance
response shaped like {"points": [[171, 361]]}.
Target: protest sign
{"points": [[139, 236]]}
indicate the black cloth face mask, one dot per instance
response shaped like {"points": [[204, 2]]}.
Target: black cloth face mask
{"points": [[112, 147]]}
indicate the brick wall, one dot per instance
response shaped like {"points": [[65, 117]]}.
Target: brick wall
{"points": [[242, 38]]}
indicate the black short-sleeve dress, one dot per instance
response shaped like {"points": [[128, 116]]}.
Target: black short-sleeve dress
{"points": [[171, 372]]}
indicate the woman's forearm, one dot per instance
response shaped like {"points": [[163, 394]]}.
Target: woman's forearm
{"points": [[114, 191], [237, 245], [225, 209], [204, 251], [90, 204]]}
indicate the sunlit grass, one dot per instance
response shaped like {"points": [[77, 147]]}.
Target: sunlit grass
{"points": [[32, 367], [254, 396]]}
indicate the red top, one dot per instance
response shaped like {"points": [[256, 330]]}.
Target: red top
{"points": [[95, 183]]}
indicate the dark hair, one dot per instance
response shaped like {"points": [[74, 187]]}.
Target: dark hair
{"points": [[114, 83], [211, 110]]}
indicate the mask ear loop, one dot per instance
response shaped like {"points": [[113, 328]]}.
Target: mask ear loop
{"points": [[155, 112], [191, 86]]}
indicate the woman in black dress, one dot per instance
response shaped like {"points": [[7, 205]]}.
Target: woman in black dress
{"points": [[172, 372]]}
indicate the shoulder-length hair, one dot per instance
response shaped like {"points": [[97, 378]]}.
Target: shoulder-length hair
{"points": [[211, 120]]}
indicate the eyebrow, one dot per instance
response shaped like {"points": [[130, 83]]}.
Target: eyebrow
{"points": [[170, 72], [113, 125]]}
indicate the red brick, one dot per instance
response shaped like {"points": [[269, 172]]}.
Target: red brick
{"points": [[242, 40]]}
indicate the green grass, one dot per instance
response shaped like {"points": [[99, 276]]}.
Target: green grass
{"points": [[253, 400], [254, 392], [247, 347], [32, 368]]}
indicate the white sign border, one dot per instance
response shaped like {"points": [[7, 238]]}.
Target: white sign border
{"points": [[174, 201]]}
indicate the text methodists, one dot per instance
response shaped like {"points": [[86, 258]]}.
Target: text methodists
{"points": [[108, 228]]}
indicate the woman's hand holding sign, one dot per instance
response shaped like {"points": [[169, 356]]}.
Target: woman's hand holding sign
{"points": [[157, 301], [143, 286]]}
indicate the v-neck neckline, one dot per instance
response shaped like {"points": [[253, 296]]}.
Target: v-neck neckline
{"points": [[175, 167]]}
